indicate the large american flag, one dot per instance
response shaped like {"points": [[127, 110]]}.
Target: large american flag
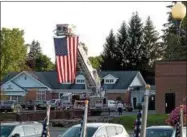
{"points": [[137, 128], [66, 58]]}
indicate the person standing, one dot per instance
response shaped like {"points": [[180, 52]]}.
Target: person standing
{"points": [[120, 108]]}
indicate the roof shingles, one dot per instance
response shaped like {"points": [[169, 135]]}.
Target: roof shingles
{"points": [[50, 79]]}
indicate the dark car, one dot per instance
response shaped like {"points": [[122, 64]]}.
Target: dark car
{"points": [[21, 129], [9, 106], [30, 104], [163, 131]]}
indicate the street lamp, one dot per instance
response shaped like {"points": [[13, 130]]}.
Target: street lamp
{"points": [[178, 13]]}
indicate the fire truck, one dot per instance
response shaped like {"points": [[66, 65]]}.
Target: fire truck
{"points": [[96, 97]]}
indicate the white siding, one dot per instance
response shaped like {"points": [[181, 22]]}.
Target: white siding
{"points": [[109, 77], [9, 86], [136, 82], [27, 81]]}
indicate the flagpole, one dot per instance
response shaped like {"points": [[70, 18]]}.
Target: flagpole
{"points": [[85, 119], [48, 118], [145, 112], [181, 121]]}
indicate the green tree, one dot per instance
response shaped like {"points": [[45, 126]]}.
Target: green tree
{"points": [[175, 45], [122, 49], [95, 61], [35, 49], [151, 45], [13, 50], [36, 60], [135, 32], [108, 56], [43, 63]]}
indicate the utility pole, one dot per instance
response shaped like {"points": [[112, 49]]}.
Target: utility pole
{"points": [[145, 111]]}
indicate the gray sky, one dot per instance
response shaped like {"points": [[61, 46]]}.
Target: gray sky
{"points": [[93, 20]]}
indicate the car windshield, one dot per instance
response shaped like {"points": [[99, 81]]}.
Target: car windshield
{"points": [[6, 130], [74, 132], [159, 132]]}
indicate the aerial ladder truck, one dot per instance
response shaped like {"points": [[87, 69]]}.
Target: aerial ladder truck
{"points": [[92, 81]]}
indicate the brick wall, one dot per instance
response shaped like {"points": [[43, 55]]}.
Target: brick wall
{"points": [[113, 96], [31, 95], [54, 95], [48, 96], [170, 77]]}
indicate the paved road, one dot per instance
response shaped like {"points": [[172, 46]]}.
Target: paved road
{"points": [[56, 131]]}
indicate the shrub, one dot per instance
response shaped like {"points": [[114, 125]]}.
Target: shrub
{"points": [[174, 115]]}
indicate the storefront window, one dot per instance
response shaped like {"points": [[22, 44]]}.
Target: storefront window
{"points": [[41, 95]]}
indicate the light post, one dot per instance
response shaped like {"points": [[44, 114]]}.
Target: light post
{"points": [[145, 111], [178, 13]]}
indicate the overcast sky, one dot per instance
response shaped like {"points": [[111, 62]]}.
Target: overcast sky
{"points": [[93, 20]]}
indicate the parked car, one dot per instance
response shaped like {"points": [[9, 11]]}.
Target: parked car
{"points": [[66, 105], [112, 105], [9, 106], [97, 130], [163, 131], [30, 104], [21, 129], [44, 104]]}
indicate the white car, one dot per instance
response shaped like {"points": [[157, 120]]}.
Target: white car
{"points": [[112, 105], [97, 130], [163, 131]]}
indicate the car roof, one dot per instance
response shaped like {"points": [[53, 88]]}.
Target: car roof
{"points": [[160, 127], [97, 125], [19, 123]]}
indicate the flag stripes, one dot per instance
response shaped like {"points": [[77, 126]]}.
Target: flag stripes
{"points": [[66, 58], [137, 128]]}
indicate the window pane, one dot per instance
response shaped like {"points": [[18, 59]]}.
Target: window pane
{"points": [[74, 132], [101, 132], [159, 133], [111, 131], [6, 130]]}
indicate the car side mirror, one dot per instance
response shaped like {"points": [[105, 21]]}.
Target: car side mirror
{"points": [[16, 135]]}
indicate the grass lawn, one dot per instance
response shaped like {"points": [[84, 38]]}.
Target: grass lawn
{"points": [[128, 121]]}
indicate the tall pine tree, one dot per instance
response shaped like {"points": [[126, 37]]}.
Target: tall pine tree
{"points": [[122, 47], [135, 32], [151, 46], [108, 61]]}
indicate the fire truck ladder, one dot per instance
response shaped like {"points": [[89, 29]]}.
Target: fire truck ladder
{"points": [[91, 77], [90, 74]]}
